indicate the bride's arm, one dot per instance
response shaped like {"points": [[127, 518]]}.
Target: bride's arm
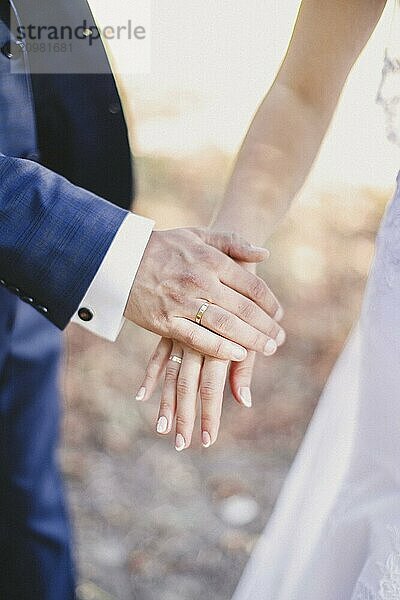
{"points": [[291, 122], [275, 159]]}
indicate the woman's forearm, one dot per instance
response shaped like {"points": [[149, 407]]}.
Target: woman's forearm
{"points": [[288, 129], [275, 159]]}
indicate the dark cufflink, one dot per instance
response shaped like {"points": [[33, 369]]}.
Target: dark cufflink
{"points": [[85, 314]]}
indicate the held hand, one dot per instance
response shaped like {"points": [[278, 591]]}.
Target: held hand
{"points": [[183, 270], [188, 375]]}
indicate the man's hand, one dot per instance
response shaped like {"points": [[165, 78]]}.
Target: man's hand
{"points": [[184, 268]]}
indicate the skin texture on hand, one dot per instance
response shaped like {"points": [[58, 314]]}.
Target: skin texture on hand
{"points": [[196, 377], [181, 270]]}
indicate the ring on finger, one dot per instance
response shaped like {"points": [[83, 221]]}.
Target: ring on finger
{"points": [[176, 359], [200, 312]]}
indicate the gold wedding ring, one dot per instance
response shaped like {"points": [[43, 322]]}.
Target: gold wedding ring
{"points": [[176, 359], [200, 313]]}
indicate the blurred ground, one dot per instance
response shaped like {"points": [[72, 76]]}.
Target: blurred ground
{"points": [[152, 524]]}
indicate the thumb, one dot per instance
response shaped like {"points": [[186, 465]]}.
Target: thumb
{"points": [[234, 246]]}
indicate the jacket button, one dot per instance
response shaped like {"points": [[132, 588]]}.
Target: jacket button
{"points": [[114, 108], [85, 314]]}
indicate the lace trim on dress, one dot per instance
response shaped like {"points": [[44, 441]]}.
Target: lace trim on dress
{"points": [[389, 584], [388, 96]]}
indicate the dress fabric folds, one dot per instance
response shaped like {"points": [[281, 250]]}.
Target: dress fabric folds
{"points": [[335, 530]]}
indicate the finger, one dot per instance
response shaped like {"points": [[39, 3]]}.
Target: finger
{"points": [[155, 367], [187, 388], [206, 342], [249, 312], [212, 383], [233, 245], [167, 409], [240, 376], [251, 286], [229, 326]]}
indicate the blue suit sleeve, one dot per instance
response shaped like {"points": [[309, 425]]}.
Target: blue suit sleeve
{"points": [[53, 237]]}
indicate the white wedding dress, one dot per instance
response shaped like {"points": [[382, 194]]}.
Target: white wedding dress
{"points": [[335, 530]]}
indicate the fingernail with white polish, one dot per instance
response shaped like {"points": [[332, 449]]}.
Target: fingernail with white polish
{"points": [[162, 425], [245, 396], [206, 439], [270, 347], [280, 338], [279, 314], [180, 442], [260, 249], [239, 354], [141, 394]]}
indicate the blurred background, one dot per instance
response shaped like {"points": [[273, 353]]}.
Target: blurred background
{"points": [[152, 524]]}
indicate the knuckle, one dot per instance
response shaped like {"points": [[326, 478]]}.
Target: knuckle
{"points": [[208, 391], [191, 280], [164, 406], [182, 421], [220, 349], [223, 322], [257, 341], [243, 372], [205, 253], [177, 296], [258, 289], [162, 319], [207, 422], [183, 386], [247, 311], [191, 337], [273, 330], [151, 374], [274, 305], [170, 375]]}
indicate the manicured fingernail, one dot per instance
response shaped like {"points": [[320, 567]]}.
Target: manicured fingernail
{"points": [[162, 425], [245, 396], [141, 394], [279, 314], [206, 439], [270, 347], [260, 249], [239, 354], [180, 442], [280, 338]]}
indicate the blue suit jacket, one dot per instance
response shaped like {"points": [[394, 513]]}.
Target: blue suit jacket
{"points": [[65, 169]]}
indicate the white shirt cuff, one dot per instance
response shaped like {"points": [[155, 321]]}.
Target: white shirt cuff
{"points": [[101, 310]]}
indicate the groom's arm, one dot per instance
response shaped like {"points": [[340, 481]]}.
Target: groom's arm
{"points": [[54, 238]]}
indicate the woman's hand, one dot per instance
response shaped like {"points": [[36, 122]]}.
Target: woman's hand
{"points": [[188, 375]]}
